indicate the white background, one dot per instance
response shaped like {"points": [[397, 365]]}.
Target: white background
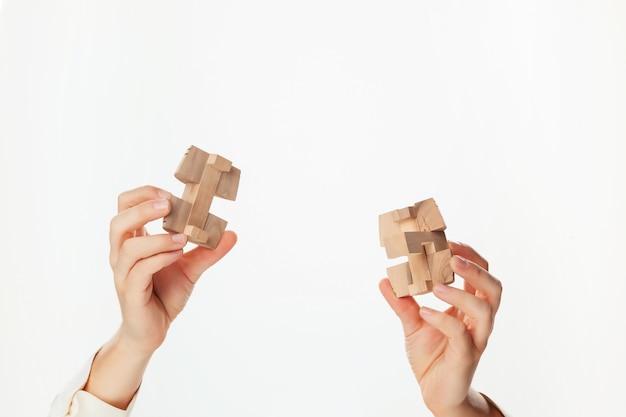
{"points": [[509, 113]]}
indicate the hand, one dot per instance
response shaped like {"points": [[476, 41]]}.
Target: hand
{"points": [[153, 277], [444, 348]]}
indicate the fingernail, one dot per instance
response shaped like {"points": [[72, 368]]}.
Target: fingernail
{"points": [[179, 238], [461, 262], [425, 311], [164, 194], [441, 289], [160, 204]]}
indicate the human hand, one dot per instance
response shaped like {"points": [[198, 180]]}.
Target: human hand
{"points": [[153, 277], [444, 348]]}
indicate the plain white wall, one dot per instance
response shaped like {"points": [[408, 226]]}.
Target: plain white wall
{"points": [[510, 114]]}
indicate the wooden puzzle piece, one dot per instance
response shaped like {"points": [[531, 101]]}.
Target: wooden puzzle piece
{"points": [[205, 176], [416, 232]]}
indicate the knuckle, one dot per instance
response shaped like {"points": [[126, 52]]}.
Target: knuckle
{"points": [[480, 260], [486, 311], [498, 284], [140, 267], [457, 327], [499, 289], [482, 273], [484, 263], [113, 223], [127, 249], [114, 227], [121, 199]]}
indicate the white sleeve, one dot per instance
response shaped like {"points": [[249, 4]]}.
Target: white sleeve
{"points": [[74, 402], [505, 414]]}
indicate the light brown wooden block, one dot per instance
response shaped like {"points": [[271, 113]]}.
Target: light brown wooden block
{"points": [[176, 220], [196, 235], [439, 265], [420, 274], [403, 244], [389, 226], [396, 246], [416, 232], [417, 240], [400, 277], [191, 166], [408, 225], [202, 196], [209, 236], [214, 229], [229, 184], [405, 213], [205, 176], [428, 216], [220, 163]]}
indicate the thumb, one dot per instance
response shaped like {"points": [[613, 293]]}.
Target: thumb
{"points": [[406, 308], [199, 259]]}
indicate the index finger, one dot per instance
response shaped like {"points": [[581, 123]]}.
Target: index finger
{"points": [[138, 195], [487, 287], [126, 224], [467, 252]]}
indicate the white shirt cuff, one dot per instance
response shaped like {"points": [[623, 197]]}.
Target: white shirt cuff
{"points": [[74, 402], [85, 404]]}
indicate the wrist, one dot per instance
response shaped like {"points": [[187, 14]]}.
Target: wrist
{"points": [[137, 345], [138, 349], [117, 371], [474, 405]]}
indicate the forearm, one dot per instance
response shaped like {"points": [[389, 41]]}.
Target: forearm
{"points": [[117, 372]]}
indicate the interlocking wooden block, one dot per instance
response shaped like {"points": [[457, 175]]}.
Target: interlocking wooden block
{"points": [[205, 176], [416, 232]]}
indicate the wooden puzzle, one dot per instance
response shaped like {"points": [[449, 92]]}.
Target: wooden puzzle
{"points": [[205, 176], [416, 232]]}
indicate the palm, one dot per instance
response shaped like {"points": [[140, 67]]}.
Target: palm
{"points": [[148, 315], [436, 363], [172, 288]]}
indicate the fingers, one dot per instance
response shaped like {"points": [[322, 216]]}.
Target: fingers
{"points": [[139, 280], [487, 286], [468, 252], [140, 206], [406, 308], [199, 259], [454, 329], [126, 223], [147, 250], [479, 308], [138, 195]]}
